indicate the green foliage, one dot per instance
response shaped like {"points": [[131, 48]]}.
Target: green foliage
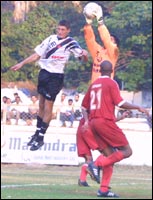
{"points": [[131, 21], [18, 43]]}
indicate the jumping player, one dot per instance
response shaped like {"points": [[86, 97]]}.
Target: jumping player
{"points": [[53, 54]]}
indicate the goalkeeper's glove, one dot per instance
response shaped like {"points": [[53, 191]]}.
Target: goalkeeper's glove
{"points": [[99, 15], [89, 21]]}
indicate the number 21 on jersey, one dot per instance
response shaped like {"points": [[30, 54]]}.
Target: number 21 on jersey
{"points": [[96, 96]]}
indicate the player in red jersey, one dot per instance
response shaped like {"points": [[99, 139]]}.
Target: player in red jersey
{"points": [[85, 143], [100, 100]]}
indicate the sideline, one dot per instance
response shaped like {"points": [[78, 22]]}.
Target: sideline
{"points": [[25, 185]]}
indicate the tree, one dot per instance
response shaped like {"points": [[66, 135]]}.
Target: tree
{"points": [[132, 21]]}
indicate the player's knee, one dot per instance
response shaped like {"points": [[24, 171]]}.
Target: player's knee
{"points": [[128, 152]]}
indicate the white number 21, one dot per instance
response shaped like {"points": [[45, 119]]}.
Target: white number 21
{"points": [[95, 96]]}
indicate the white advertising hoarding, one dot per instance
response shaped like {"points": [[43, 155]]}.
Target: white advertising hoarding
{"points": [[58, 149], [60, 146]]}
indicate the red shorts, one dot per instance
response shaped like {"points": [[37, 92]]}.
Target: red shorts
{"points": [[107, 133], [85, 141]]}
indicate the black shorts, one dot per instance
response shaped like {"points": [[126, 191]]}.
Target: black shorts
{"points": [[49, 84]]}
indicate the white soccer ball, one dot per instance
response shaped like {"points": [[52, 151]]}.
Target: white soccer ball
{"points": [[90, 10]]}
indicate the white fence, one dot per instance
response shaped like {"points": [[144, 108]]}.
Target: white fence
{"points": [[60, 145]]}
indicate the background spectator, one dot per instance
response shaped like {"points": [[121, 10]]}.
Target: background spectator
{"points": [[18, 110], [77, 107], [3, 108], [67, 114], [8, 111], [15, 95], [59, 105], [33, 107]]}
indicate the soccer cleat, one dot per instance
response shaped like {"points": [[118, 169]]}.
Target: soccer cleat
{"points": [[36, 145], [83, 183], [31, 142], [106, 194], [94, 172]]}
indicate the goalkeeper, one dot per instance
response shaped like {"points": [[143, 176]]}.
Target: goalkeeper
{"points": [[109, 50]]}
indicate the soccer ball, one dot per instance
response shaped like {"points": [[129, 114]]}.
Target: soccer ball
{"points": [[90, 10]]}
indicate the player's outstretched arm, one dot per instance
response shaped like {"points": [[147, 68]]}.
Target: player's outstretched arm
{"points": [[30, 59], [130, 106]]}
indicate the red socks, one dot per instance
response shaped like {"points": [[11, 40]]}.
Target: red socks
{"points": [[106, 177], [84, 172], [103, 161]]}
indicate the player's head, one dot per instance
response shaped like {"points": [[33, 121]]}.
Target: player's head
{"points": [[116, 39], [63, 29], [106, 67]]}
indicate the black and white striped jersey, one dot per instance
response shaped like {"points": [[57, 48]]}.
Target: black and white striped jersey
{"points": [[55, 53]]}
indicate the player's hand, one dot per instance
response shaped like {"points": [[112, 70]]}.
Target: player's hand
{"points": [[16, 67], [99, 15], [85, 126], [88, 20], [84, 56], [143, 110], [125, 114]]}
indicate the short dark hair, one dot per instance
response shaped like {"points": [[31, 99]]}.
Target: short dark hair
{"points": [[64, 23], [15, 93], [116, 39], [106, 66]]}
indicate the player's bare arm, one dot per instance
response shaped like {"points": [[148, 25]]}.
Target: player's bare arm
{"points": [[127, 105], [30, 59]]}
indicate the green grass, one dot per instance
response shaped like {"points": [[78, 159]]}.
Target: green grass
{"points": [[34, 181]]}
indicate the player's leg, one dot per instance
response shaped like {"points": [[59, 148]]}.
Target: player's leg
{"points": [[83, 150], [48, 107], [104, 190], [39, 120], [49, 85], [107, 171], [88, 142], [83, 173], [113, 137]]}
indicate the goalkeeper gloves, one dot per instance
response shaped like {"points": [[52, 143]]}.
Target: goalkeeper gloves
{"points": [[99, 15], [89, 21]]}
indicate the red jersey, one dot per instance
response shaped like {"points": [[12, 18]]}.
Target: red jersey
{"points": [[102, 97]]}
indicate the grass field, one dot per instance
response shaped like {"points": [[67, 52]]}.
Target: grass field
{"points": [[34, 181]]}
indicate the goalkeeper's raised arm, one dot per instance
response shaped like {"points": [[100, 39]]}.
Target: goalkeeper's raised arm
{"points": [[109, 50]]}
